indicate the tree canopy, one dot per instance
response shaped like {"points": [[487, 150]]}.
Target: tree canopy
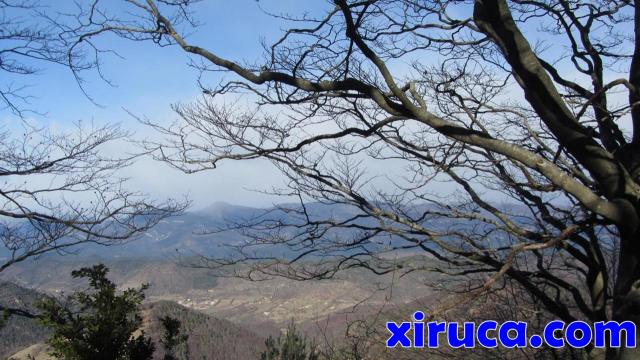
{"points": [[97, 324]]}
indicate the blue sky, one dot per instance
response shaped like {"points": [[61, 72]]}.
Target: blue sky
{"points": [[149, 79]]}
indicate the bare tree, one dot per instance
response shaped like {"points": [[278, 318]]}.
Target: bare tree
{"points": [[59, 192], [533, 99], [59, 189], [29, 40]]}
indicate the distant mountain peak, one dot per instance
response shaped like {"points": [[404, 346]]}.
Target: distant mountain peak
{"points": [[222, 206]]}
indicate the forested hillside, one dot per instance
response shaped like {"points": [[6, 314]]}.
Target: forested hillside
{"points": [[18, 331], [207, 337]]}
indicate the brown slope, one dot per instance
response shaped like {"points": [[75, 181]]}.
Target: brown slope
{"points": [[17, 331], [209, 337]]}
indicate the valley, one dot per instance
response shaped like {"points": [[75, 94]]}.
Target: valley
{"points": [[322, 309]]}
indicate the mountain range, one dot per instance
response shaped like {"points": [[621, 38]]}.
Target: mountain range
{"points": [[199, 232], [224, 313]]}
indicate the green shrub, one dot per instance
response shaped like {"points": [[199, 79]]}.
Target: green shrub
{"points": [[98, 324]]}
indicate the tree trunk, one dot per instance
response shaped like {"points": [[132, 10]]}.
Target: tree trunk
{"points": [[626, 304]]}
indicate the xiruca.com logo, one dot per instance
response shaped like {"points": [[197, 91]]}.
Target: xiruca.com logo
{"points": [[510, 334]]}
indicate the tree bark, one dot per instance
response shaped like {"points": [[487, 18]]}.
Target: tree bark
{"points": [[626, 303]]}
